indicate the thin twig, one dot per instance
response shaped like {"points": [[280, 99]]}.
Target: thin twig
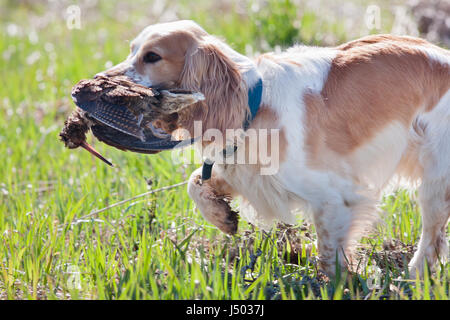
{"points": [[131, 199]]}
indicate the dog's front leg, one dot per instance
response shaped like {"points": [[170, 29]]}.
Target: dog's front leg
{"points": [[212, 197], [333, 224]]}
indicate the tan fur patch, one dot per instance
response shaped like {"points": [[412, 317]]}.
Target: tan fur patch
{"points": [[267, 118], [381, 38], [372, 82]]}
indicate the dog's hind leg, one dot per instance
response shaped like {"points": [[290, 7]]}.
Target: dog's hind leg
{"points": [[434, 198], [212, 197], [434, 193], [339, 225]]}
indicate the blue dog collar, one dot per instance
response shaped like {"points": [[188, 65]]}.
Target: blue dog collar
{"points": [[254, 101]]}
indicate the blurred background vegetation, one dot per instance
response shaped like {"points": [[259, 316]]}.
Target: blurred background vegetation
{"points": [[151, 248], [41, 37]]}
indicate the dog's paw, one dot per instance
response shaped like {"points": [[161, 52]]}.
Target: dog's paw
{"points": [[224, 217], [214, 207]]}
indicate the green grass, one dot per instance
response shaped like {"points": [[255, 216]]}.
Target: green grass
{"points": [[155, 247]]}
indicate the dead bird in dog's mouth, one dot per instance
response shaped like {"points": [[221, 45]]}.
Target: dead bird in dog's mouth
{"points": [[121, 113]]}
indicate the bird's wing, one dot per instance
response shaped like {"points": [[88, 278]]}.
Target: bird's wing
{"points": [[150, 144], [117, 117]]}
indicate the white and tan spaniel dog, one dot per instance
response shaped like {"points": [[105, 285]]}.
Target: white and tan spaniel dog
{"points": [[350, 118]]}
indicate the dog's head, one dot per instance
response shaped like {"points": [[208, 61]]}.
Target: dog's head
{"points": [[183, 55]]}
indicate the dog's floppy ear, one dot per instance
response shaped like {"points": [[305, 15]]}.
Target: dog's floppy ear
{"points": [[209, 70]]}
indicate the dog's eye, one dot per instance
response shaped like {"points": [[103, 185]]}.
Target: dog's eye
{"points": [[151, 57]]}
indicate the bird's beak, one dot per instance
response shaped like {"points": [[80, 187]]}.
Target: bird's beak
{"points": [[91, 149]]}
